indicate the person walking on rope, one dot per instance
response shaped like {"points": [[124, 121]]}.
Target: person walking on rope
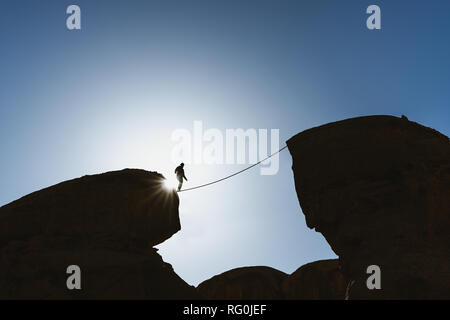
{"points": [[179, 171]]}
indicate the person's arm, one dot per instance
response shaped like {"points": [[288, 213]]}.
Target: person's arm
{"points": [[184, 177]]}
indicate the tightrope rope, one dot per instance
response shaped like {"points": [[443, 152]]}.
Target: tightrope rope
{"points": [[234, 174]]}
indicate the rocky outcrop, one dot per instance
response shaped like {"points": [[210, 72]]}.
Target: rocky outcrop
{"points": [[244, 284], [319, 280], [378, 189], [314, 281], [106, 224]]}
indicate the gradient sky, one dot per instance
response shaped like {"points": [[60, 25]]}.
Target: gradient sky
{"points": [[109, 97]]}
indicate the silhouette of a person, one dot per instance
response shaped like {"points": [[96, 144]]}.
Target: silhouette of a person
{"points": [[179, 171]]}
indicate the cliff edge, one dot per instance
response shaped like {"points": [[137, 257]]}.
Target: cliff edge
{"points": [[107, 224], [378, 189]]}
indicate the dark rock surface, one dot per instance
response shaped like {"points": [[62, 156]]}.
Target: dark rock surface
{"points": [[378, 189], [107, 224], [319, 280], [244, 284], [313, 281]]}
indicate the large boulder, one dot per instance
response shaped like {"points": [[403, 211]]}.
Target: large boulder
{"points": [[319, 280], [126, 206], [106, 224], [246, 283], [313, 281], [378, 189]]}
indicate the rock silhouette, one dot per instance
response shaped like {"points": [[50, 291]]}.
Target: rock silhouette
{"points": [[244, 284], [378, 189], [319, 280], [106, 224], [313, 281]]}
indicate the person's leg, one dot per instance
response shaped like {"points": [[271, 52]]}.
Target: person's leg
{"points": [[180, 183]]}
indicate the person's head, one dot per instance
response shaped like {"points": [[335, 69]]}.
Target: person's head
{"points": [[182, 164]]}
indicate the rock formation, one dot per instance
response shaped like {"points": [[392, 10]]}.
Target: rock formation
{"points": [[244, 284], [319, 280], [106, 224], [314, 281], [378, 189]]}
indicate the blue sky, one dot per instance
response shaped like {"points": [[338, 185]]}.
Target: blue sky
{"points": [[109, 97]]}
